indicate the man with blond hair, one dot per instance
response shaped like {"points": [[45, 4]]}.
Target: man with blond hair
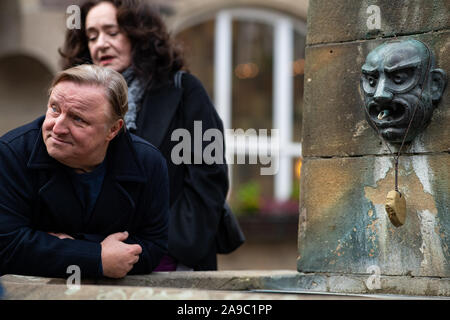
{"points": [[77, 189]]}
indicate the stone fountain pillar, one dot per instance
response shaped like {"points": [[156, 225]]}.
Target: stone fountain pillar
{"points": [[346, 240]]}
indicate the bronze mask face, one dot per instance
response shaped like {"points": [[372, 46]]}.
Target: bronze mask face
{"points": [[392, 81]]}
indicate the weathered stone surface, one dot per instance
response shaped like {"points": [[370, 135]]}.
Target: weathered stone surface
{"points": [[338, 21], [139, 288], [286, 286], [334, 120], [390, 287], [212, 280], [223, 280], [343, 226], [344, 231], [31, 291]]}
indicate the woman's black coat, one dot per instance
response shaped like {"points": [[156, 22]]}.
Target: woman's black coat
{"points": [[197, 191]]}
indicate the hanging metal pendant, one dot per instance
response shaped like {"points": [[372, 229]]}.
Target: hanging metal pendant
{"points": [[396, 208]]}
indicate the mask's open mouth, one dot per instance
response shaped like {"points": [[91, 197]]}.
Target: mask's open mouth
{"points": [[388, 115]]}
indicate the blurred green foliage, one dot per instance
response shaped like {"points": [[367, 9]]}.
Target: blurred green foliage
{"points": [[248, 198]]}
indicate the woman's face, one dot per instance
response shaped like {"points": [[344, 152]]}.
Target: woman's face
{"points": [[108, 45]]}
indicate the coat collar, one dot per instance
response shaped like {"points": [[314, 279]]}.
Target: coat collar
{"points": [[158, 109], [121, 158]]}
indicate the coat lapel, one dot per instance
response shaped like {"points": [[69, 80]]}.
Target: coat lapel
{"points": [[113, 210], [116, 203], [158, 109], [64, 208]]}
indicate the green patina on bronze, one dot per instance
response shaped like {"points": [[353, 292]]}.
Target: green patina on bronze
{"points": [[401, 88]]}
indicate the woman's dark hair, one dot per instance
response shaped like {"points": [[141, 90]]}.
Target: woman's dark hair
{"points": [[155, 56]]}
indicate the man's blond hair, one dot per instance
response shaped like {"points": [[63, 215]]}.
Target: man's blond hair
{"points": [[116, 90]]}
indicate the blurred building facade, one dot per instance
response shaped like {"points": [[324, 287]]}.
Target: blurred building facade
{"points": [[249, 54]]}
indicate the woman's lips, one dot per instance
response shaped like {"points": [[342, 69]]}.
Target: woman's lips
{"points": [[106, 60]]}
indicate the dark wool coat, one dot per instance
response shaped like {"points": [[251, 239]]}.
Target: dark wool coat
{"points": [[37, 196], [197, 191]]}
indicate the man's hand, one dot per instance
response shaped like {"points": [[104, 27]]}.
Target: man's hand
{"points": [[118, 257]]}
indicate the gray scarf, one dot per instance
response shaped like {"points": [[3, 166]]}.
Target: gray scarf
{"points": [[135, 94]]}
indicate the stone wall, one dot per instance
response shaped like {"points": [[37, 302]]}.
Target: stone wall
{"points": [[347, 171]]}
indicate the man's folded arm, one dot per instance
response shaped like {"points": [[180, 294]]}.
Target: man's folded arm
{"points": [[24, 250], [32, 252]]}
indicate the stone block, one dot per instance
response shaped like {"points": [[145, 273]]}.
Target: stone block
{"points": [[39, 291], [334, 119], [266, 285], [311, 282], [343, 226], [339, 21], [273, 285], [208, 280]]}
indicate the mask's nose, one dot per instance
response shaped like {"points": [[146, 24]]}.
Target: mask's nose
{"points": [[382, 95]]}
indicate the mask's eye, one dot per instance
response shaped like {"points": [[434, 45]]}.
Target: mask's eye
{"points": [[371, 80], [402, 76], [399, 77]]}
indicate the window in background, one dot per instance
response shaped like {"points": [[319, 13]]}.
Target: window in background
{"points": [[252, 75], [252, 63]]}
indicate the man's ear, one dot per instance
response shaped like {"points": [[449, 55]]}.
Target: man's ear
{"points": [[114, 129], [438, 83]]}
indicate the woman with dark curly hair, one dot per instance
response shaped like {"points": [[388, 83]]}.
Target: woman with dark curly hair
{"points": [[130, 37]]}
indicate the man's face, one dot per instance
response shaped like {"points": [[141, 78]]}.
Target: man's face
{"points": [[78, 125], [392, 79]]}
